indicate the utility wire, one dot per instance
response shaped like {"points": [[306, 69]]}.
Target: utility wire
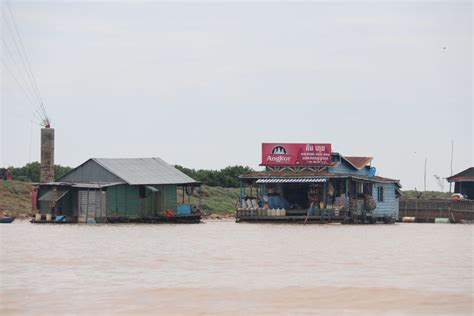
{"points": [[20, 77], [19, 84], [12, 35], [39, 108], [24, 52], [37, 113], [28, 64]]}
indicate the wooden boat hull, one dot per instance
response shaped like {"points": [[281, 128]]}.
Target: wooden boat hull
{"points": [[7, 220]]}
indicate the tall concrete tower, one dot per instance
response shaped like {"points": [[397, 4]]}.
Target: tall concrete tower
{"points": [[47, 155]]}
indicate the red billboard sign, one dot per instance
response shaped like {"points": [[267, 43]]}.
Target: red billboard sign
{"points": [[274, 154]]}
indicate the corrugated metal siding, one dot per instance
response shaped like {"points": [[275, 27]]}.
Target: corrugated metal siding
{"points": [[92, 204], [124, 200], [90, 171], [390, 204], [150, 208], [116, 204], [170, 197], [134, 202]]}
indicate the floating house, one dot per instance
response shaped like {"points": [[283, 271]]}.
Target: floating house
{"points": [[310, 183], [464, 183], [119, 190]]}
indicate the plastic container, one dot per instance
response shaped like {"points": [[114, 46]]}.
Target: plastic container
{"points": [[37, 217], [184, 209], [49, 217]]}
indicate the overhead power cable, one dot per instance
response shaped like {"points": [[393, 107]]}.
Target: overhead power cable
{"points": [[20, 78], [38, 104], [22, 88]]}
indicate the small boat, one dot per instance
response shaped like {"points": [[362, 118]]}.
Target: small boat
{"points": [[7, 220], [466, 221]]}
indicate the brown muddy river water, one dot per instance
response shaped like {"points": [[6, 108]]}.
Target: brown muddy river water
{"points": [[236, 269]]}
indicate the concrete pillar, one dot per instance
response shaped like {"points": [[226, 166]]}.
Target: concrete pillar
{"points": [[47, 155]]}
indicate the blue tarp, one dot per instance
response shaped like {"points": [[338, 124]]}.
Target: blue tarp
{"points": [[184, 209], [278, 202]]}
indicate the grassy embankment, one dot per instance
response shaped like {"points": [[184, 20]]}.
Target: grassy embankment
{"points": [[15, 198]]}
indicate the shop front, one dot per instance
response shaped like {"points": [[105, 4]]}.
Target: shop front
{"points": [[309, 183]]}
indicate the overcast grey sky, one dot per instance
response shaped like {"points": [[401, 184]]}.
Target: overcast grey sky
{"points": [[204, 84]]}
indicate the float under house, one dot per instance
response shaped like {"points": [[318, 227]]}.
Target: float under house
{"points": [[119, 190], [310, 183]]}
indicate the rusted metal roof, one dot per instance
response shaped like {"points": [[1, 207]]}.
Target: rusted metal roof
{"points": [[358, 162]]}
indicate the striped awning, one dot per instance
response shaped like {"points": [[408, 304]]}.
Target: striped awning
{"points": [[292, 180]]}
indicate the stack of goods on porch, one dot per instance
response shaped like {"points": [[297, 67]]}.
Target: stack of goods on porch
{"points": [[273, 205], [315, 194], [277, 205], [340, 204], [249, 207]]}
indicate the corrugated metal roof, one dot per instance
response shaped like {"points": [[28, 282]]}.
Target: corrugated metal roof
{"points": [[143, 171], [53, 195], [292, 180]]}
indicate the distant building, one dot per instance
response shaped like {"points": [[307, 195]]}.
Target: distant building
{"points": [[464, 183], [125, 189]]}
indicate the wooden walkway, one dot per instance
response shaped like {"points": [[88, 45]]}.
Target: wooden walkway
{"points": [[428, 210]]}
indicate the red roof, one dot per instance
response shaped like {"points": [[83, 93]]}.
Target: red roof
{"points": [[358, 162], [466, 175]]}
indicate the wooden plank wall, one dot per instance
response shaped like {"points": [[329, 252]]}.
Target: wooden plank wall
{"points": [[430, 209]]}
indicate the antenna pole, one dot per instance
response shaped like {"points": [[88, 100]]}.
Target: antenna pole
{"points": [[426, 160], [452, 153]]}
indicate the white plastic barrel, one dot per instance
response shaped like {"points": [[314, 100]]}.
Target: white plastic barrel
{"points": [[38, 217], [49, 217]]}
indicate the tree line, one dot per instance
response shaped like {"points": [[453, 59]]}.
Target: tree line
{"points": [[31, 172], [227, 177]]}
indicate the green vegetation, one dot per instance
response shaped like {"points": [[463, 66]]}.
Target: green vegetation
{"points": [[412, 194], [213, 199], [226, 178], [31, 172]]}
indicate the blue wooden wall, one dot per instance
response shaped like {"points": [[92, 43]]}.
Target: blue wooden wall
{"points": [[390, 204]]}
